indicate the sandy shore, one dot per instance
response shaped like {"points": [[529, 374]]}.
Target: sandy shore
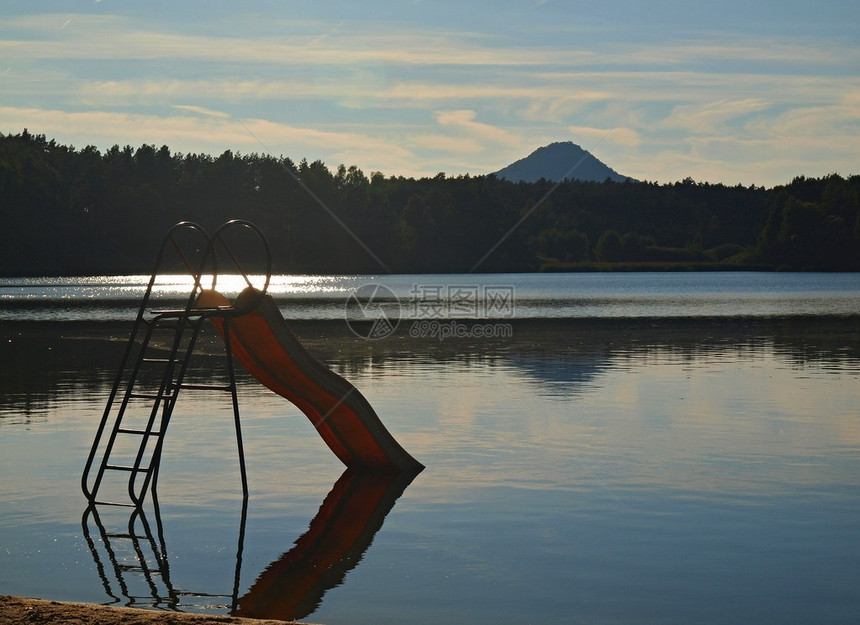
{"points": [[40, 612]]}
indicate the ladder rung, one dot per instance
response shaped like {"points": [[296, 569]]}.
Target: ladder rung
{"points": [[114, 503], [207, 387], [117, 467], [162, 361], [136, 568], [150, 396], [140, 432]]}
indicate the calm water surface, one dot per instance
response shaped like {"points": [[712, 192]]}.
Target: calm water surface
{"points": [[631, 464], [584, 295]]}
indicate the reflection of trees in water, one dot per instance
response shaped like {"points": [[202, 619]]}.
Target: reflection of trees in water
{"points": [[568, 354], [48, 362], [40, 363], [825, 343]]}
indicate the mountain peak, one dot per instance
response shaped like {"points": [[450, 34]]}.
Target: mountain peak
{"points": [[559, 161]]}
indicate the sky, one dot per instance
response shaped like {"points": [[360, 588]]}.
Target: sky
{"points": [[734, 92]]}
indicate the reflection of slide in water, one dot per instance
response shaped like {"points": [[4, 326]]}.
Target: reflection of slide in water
{"points": [[293, 586], [289, 588], [261, 340]]}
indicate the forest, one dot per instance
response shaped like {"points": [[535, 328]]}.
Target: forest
{"points": [[69, 211]]}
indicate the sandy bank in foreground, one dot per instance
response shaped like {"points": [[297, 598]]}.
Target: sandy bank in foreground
{"points": [[39, 612]]}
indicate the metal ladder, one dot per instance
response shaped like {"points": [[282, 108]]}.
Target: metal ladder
{"points": [[130, 437]]}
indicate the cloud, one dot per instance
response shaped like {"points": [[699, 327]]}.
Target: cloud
{"points": [[503, 90], [792, 52], [620, 135], [713, 116], [560, 105], [445, 143], [464, 121], [99, 37], [200, 110], [208, 130], [540, 101], [159, 91], [772, 150], [820, 122], [851, 98]]}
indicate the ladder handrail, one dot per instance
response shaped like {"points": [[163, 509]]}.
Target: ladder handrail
{"points": [[190, 317], [169, 238]]}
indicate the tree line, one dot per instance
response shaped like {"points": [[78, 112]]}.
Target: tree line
{"points": [[69, 211]]}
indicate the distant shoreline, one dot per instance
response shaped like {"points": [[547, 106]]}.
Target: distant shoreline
{"points": [[580, 267], [650, 266]]}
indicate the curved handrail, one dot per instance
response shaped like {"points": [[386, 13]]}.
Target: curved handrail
{"points": [[218, 237], [170, 238]]}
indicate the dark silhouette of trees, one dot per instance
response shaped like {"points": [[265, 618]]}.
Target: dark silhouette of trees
{"points": [[69, 211], [609, 247]]}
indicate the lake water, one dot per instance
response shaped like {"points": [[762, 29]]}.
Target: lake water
{"points": [[532, 296], [633, 448]]}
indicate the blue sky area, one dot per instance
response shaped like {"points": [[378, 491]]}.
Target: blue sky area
{"points": [[733, 92]]}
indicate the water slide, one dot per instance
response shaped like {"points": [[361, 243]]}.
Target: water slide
{"points": [[266, 347]]}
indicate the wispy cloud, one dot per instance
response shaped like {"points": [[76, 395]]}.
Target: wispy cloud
{"points": [[464, 121], [97, 37], [102, 37], [200, 110], [712, 117], [619, 136]]}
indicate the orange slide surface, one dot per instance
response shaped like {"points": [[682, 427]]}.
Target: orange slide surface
{"points": [[263, 343]]}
